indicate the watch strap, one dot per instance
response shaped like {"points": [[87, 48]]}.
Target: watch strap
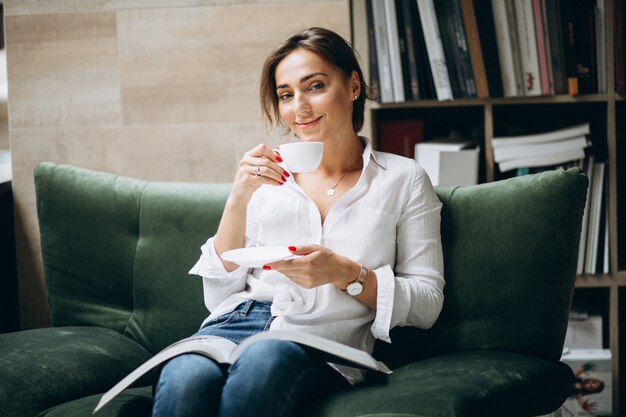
{"points": [[360, 279]]}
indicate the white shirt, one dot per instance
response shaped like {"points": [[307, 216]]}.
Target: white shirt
{"points": [[388, 222]]}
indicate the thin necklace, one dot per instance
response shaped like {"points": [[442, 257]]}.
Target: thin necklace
{"points": [[331, 189]]}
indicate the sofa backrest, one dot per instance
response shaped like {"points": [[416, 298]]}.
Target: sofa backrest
{"points": [[510, 255], [116, 253]]}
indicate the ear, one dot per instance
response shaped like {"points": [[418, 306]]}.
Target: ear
{"points": [[355, 84]]}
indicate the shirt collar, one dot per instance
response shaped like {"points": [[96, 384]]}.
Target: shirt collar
{"points": [[369, 153]]}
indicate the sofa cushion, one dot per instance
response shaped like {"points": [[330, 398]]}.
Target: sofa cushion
{"points": [[510, 254], [45, 367], [472, 383]]}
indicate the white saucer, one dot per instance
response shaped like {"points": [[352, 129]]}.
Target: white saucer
{"points": [[257, 256]]}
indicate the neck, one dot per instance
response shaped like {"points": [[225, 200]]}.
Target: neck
{"points": [[341, 156]]}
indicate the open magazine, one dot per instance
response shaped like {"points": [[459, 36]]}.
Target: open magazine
{"points": [[225, 351]]}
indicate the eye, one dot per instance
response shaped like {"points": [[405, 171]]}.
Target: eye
{"points": [[317, 86], [285, 96]]}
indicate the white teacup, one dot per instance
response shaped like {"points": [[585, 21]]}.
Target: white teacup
{"points": [[302, 156]]}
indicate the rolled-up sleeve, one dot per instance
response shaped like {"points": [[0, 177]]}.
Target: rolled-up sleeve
{"points": [[217, 282], [412, 293]]}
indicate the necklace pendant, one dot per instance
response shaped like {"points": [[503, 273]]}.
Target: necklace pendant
{"points": [[330, 192]]}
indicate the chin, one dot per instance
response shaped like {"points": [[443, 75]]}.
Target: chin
{"points": [[311, 138]]}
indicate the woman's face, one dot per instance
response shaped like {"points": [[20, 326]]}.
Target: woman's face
{"points": [[314, 98]]}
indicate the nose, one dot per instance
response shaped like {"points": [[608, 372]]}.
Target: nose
{"points": [[301, 104]]}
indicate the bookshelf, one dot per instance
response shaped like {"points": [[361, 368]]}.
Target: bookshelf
{"points": [[486, 118]]}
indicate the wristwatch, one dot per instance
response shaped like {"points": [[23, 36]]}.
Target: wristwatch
{"points": [[356, 287]]}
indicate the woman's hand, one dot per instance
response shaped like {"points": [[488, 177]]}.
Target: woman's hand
{"points": [[317, 266], [257, 167]]}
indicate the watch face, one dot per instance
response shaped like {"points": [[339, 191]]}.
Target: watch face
{"points": [[355, 288]]}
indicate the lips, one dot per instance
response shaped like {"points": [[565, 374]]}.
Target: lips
{"points": [[306, 123]]}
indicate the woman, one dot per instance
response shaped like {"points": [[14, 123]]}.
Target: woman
{"points": [[363, 218]]}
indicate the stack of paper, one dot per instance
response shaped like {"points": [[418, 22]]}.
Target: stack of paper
{"points": [[451, 161], [543, 149]]}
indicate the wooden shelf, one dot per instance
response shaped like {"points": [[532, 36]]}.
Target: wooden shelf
{"points": [[594, 281]]}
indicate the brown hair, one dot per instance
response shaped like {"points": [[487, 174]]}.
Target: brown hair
{"points": [[330, 47]]}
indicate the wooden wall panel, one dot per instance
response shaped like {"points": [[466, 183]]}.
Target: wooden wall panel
{"points": [[160, 90]]}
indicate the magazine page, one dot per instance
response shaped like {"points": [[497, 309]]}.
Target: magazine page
{"points": [[339, 353], [214, 347], [225, 351]]}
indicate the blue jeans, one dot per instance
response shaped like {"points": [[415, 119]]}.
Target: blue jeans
{"points": [[270, 378]]}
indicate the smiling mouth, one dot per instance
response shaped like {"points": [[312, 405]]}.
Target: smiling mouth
{"points": [[305, 124]]}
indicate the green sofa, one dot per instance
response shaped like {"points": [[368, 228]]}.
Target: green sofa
{"points": [[116, 253]]}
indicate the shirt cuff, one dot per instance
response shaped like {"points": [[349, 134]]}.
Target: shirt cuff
{"points": [[384, 303], [210, 265]]}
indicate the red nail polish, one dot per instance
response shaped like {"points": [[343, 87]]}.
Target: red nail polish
{"points": [[267, 267], [283, 178], [292, 248], [278, 158], [286, 174]]}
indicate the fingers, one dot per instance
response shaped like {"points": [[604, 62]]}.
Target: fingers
{"points": [[262, 163], [304, 249], [299, 261]]}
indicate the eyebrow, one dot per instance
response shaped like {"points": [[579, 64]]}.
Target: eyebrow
{"points": [[303, 79]]}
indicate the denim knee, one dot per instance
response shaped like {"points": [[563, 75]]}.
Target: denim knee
{"points": [[270, 378], [189, 384], [272, 355]]}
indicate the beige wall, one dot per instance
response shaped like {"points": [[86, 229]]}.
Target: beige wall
{"points": [[159, 90]]}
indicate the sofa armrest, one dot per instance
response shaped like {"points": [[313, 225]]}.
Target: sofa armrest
{"points": [[44, 367]]}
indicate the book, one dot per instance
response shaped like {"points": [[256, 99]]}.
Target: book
{"points": [[618, 46], [601, 66], [587, 167], [528, 150], [580, 46], [602, 259], [592, 365], [557, 54], [407, 28], [434, 48], [595, 210], [488, 42], [569, 45], [467, 71], [508, 47], [424, 72], [474, 47], [445, 15], [400, 136], [397, 78], [586, 47], [552, 136], [531, 78], [224, 351], [543, 47], [373, 59], [542, 160], [382, 51]]}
